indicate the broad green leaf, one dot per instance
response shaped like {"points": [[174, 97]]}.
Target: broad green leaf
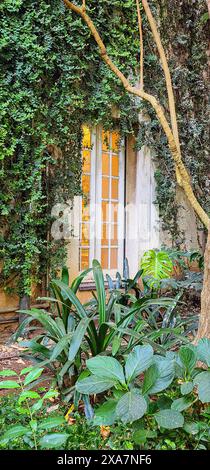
{"points": [[77, 338], [50, 423], [188, 358], [166, 372], [33, 375], [37, 406], [14, 432], [51, 441], [138, 361], [182, 404], [169, 419], [100, 289], [141, 435], [33, 424], [106, 367], [131, 406], [150, 378], [28, 394], [94, 384], [202, 380], [50, 394], [116, 345], [191, 427], [187, 387], [156, 264], [7, 373], [9, 384], [203, 349], [105, 414]]}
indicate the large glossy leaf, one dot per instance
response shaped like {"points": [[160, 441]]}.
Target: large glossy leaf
{"points": [[33, 375], [7, 373], [203, 382], [150, 377], [169, 419], [188, 357], [156, 264], [77, 338], [138, 361], [9, 384], [13, 433], [50, 423], [105, 415], [51, 441], [106, 367], [182, 404], [166, 372], [131, 406], [100, 289], [203, 349], [93, 384], [186, 388]]}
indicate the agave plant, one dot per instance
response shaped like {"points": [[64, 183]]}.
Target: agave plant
{"points": [[95, 327]]}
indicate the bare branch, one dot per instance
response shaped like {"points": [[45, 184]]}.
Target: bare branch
{"points": [[172, 143], [141, 45], [171, 100]]}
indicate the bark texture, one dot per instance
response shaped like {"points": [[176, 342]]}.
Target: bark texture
{"points": [[204, 320]]}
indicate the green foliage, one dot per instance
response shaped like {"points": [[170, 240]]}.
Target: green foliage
{"points": [[27, 404], [100, 325], [156, 265], [184, 35], [52, 81], [147, 375]]}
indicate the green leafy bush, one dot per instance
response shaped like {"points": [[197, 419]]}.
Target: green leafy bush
{"points": [[132, 395]]}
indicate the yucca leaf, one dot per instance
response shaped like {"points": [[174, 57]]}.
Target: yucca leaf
{"points": [[100, 289]]}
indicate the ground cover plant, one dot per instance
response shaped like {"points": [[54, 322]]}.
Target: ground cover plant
{"points": [[112, 322], [150, 401]]}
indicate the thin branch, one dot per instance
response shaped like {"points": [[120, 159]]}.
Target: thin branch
{"points": [[175, 152], [171, 100], [141, 45]]}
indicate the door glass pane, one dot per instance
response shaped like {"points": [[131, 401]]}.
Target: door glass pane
{"points": [[115, 166], [105, 164], [105, 258], [105, 188], [113, 258], [114, 189]]}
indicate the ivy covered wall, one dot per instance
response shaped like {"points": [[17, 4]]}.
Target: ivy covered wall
{"points": [[53, 80]]}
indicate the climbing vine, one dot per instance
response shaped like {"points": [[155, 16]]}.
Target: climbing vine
{"points": [[53, 80], [184, 33]]}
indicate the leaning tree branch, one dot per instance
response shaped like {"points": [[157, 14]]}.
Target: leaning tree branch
{"points": [[175, 153], [171, 100]]}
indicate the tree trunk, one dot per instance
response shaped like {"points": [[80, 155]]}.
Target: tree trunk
{"points": [[204, 320]]}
